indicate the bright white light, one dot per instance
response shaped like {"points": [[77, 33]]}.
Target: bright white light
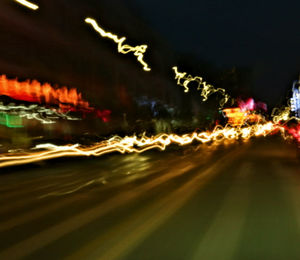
{"points": [[28, 4], [295, 100]]}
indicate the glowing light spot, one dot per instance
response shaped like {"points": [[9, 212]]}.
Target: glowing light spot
{"points": [[28, 4], [206, 89], [247, 105], [138, 51], [236, 116]]}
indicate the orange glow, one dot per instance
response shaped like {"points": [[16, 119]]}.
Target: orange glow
{"points": [[235, 116], [254, 118], [34, 91]]}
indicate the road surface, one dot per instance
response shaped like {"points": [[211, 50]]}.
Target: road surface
{"points": [[237, 201]]}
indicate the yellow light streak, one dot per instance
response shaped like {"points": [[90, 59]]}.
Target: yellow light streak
{"points": [[138, 51], [136, 144], [281, 115], [206, 89], [28, 4]]}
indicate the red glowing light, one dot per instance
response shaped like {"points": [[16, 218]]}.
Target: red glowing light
{"points": [[34, 91], [68, 100], [295, 132], [250, 105], [246, 105], [104, 115]]}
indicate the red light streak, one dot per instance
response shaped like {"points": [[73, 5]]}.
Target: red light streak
{"points": [[34, 91]]}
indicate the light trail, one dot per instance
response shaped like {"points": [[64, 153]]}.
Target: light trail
{"points": [[28, 4], [135, 144], [206, 89], [283, 115], [65, 100], [138, 50], [279, 115], [42, 114], [34, 91]]}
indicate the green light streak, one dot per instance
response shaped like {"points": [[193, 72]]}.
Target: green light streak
{"points": [[11, 121]]}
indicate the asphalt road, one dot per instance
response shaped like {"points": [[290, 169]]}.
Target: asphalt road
{"points": [[240, 201]]}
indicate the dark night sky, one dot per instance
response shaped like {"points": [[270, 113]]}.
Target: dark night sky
{"points": [[262, 35]]}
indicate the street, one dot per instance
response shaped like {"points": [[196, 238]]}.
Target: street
{"points": [[232, 201]]}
